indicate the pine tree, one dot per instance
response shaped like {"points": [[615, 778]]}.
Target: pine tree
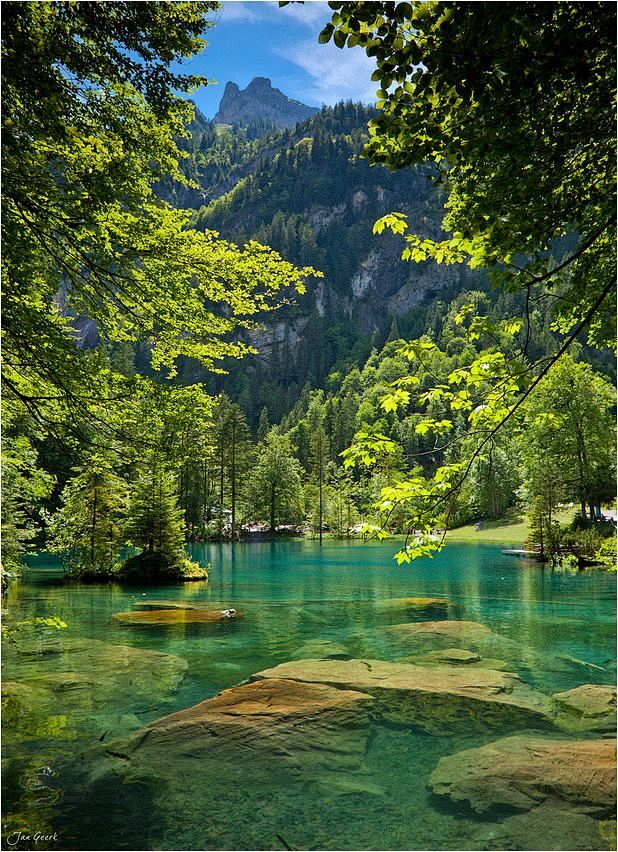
{"points": [[319, 460], [154, 519], [87, 530], [234, 450], [155, 525], [264, 425]]}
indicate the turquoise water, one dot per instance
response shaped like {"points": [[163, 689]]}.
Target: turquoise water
{"points": [[298, 601]]}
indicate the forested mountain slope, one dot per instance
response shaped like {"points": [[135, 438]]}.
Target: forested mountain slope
{"points": [[309, 194]]}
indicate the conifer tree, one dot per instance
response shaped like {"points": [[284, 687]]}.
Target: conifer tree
{"points": [[87, 529], [155, 525], [318, 461], [263, 425]]}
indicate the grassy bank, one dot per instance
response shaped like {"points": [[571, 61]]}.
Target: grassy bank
{"points": [[513, 529]]}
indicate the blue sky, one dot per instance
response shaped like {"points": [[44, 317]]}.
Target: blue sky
{"points": [[255, 38]]}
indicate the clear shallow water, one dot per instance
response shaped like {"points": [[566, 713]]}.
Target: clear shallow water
{"points": [[299, 601]]}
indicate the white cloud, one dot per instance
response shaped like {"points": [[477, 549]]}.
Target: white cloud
{"points": [[311, 12], [232, 10], [335, 74]]}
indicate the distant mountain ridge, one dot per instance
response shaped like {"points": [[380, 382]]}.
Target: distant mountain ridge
{"points": [[260, 101]]}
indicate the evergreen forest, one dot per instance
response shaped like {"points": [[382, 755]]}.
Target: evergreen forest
{"points": [[308, 492], [333, 375]]}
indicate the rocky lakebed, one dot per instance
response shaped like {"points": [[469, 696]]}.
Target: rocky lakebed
{"points": [[541, 772]]}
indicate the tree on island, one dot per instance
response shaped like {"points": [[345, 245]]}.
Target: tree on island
{"points": [[155, 524]]}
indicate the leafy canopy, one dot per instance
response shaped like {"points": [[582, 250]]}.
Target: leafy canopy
{"points": [[513, 108], [91, 114]]}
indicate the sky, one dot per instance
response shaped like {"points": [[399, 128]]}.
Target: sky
{"points": [[256, 38]]}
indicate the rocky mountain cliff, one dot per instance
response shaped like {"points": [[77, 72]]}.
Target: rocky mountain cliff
{"points": [[309, 194], [258, 102]]}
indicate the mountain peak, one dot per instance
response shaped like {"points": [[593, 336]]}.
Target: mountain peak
{"points": [[260, 100]]}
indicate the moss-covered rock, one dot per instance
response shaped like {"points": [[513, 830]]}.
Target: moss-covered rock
{"points": [[158, 567], [190, 615]]}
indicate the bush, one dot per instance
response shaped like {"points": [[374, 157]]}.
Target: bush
{"points": [[606, 554], [157, 567]]}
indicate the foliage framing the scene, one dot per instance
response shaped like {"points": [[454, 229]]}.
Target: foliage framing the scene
{"points": [[514, 114]]}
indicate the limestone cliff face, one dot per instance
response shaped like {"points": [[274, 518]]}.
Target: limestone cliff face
{"points": [[381, 288], [260, 100]]}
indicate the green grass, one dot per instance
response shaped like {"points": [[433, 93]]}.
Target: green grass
{"points": [[513, 529]]}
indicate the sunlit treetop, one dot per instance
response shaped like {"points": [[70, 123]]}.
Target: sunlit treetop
{"points": [[91, 115]]}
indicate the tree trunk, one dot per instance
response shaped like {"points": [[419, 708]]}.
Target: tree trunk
{"points": [[320, 475], [94, 524], [221, 460], [233, 477], [272, 508]]}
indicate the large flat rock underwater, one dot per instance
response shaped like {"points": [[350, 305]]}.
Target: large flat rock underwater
{"points": [[420, 638], [425, 636], [437, 700], [563, 791], [66, 685], [522, 772], [302, 731]]}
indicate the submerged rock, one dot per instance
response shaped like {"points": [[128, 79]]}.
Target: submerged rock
{"points": [[590, 707], [438, 635], [524, 772], [459, 657], [416, 606], [30, 711], [87, 686], [303, 726], [179, 616], [553, 828], [321, 648], [97, 659], [423, 637], [438, 700]]}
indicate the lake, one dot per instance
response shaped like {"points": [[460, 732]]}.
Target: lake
{"points": [[66, 775]]}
